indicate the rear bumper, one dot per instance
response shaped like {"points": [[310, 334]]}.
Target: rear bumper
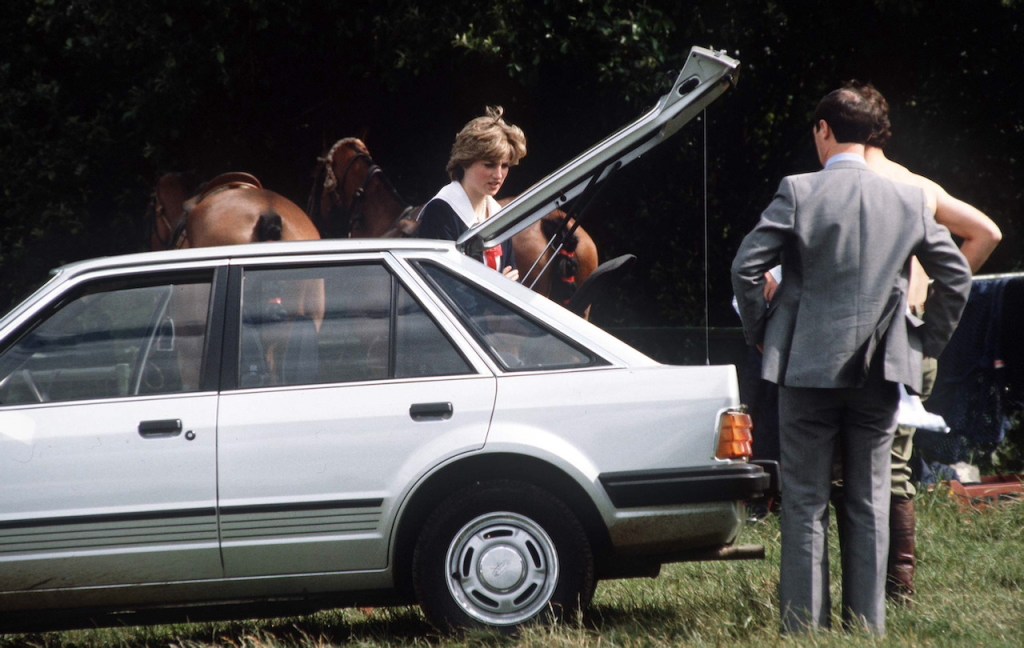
{"points": [[683, 514], [731, 482]]}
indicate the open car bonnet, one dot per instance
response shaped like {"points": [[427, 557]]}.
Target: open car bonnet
{"points": [[705, 76]]}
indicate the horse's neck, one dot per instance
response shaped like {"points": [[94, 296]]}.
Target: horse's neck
{"points": [[382, 209]]}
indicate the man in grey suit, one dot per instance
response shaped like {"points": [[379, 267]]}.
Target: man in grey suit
{"points": [[837, 338]]}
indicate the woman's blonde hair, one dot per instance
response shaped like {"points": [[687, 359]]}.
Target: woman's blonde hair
{"points": [[487, 138]]}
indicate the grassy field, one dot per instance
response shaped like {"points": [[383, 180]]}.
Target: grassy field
{"points": [[970, 581]]}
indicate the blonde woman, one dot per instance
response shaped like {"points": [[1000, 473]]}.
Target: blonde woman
{"points": [[484, 151]]}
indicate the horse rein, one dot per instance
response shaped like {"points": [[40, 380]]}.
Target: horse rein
{"points": [[335, 185], [351, 212]]}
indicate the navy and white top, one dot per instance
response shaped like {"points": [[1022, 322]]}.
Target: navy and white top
{"points": [[449, 213]]}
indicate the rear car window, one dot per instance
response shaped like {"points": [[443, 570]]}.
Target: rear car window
{"points": [[514, 340]]}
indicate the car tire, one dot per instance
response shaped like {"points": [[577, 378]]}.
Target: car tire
{"points": [[499, 555]]}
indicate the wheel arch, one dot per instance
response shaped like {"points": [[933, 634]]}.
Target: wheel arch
{"points": [[487, 467]]}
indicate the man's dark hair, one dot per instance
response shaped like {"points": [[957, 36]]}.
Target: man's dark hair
{"points": [[848, 114], [882, 130]]}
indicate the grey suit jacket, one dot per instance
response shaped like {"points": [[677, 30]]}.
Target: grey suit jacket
{"points": [[844, 237]]}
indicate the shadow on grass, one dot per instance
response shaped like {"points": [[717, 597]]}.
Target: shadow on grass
{"points": [[603, 618], [351, 625], [331, 627]]}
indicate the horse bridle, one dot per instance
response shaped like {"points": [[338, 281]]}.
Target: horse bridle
{"points": [[335, 185], [351, 212]]}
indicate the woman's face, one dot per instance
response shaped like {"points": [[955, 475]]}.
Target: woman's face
{"points": [[484, 178]]}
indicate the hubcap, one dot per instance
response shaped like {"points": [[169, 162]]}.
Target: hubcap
{"points": [[502, 568]]}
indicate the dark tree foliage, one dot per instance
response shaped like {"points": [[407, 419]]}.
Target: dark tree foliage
{"points": [[97, 98]]}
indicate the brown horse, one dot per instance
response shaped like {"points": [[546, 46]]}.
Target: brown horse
{"points": [[231, 209], [352, 197]]}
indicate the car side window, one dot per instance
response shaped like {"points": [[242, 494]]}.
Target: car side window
{"points": [[514, 340], [111, 340], [341, 323]]}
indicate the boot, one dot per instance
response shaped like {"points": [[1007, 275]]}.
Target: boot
{"points": [[899, 582]]}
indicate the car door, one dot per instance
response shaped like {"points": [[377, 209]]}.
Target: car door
{"points": [[107, 438], [336, 413]]}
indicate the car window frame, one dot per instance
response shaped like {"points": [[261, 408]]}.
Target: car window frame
{"points": [[230, 356], [89, 283]]}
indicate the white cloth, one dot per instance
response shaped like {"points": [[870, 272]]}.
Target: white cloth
{"points": [[453, 194], [913, 414]]}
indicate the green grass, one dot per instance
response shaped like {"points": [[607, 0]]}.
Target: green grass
{"points": [[970, 593]]}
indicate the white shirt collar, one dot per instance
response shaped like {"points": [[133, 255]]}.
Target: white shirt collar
{"points": [[845, 157], [453, 194]]}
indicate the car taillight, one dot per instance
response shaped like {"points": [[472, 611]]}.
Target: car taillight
{"points": [[735, 436]]}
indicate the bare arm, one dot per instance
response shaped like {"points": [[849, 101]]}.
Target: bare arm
{"points": [[980, 235]]}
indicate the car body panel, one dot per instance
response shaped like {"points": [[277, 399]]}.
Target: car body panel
{"points": [[358, 449], [585, 423], [82, 489]]}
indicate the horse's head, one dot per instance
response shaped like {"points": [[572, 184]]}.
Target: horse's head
{"points": [[343, 172], [355, 199]]}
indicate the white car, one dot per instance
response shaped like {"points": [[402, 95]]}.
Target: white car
{"points": [[315, 424]]}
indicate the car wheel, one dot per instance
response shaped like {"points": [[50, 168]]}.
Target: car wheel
{"points": [[499, 555]]}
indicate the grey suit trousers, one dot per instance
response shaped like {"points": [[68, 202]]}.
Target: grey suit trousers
{"points": [[815, 424]]}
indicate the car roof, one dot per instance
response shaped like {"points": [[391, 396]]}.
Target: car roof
{"points": [[705, 76], [254, 250], [275, 249]]}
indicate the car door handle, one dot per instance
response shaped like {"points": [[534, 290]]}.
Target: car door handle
{"points": [[431, 411], [160, 428]]}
